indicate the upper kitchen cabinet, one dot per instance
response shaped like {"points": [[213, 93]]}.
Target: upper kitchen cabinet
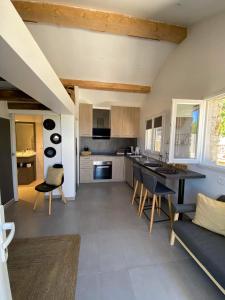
{"points": [[85, 119], [125, 121], [116, 121]]}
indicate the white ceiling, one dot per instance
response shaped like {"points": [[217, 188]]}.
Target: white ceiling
{"points": [[89, 55], [180, 12]]}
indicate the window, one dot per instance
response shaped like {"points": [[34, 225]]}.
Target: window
{"points": [[215, 132], [187, 129], [198, 125], [148, 135], [157, 140], [153, 134]]}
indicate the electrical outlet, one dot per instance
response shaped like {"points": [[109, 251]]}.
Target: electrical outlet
{"points": [[221, 180]]}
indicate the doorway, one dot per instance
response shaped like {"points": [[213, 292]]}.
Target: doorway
{"points": [[29, 154]]}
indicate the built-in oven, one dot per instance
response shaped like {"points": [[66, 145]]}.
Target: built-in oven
{"points": [[102, 170]]}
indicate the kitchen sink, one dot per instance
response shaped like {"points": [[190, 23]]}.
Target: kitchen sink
{"points": [[152, 164], [167, 170]]}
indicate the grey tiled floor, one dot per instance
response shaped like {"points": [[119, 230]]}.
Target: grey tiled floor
{"points": [[118, 260]]}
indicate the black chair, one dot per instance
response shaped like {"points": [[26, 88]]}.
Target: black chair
{"points": [[47, 188], [158, 190], [137, 173]]}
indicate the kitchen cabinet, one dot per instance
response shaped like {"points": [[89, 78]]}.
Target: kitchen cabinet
{"points": [[85, 119], [26, 168], [118, 170], [129, 172], [125, 121], [86, 169], [116, 121]]}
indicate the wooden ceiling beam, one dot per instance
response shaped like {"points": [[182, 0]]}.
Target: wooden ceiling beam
{"points": [[30, 106], [14, 94], [106, 86], [116, 23]]}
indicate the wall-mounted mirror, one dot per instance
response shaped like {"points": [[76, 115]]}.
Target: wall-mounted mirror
{"points": [[25, 136]]}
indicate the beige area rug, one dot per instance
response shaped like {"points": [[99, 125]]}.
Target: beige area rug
{"points": [[44, 267]]}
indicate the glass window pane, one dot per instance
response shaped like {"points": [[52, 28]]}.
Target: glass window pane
{"points": [[187, 130], [157, 139], [215, 139], [148, 139]]}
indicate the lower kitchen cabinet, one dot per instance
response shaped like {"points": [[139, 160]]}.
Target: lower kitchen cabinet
{"points": [[87, 168], [118, 170]]}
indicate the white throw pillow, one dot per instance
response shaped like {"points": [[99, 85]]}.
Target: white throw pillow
{"points": [[210, 214], [54, 176]]}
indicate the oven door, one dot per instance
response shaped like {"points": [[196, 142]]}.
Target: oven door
{"points": [[102, 170]]}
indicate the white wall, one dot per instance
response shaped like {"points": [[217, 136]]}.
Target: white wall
{"points": [[195, 70], [65, 151], [57, 159], [68, 154], [83, 54]]}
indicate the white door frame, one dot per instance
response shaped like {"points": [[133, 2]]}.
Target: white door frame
{"points": [[13, 151], [11, 117]]}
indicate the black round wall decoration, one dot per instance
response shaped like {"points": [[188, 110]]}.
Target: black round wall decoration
{"points": [[49, 124], [56, 138], [50, 152]]}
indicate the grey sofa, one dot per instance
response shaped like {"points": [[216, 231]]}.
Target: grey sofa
{"points": [[206, 248]]}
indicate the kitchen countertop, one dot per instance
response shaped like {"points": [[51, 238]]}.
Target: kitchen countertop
{"points": [[181, 174], [103, 154], [25, 154]]}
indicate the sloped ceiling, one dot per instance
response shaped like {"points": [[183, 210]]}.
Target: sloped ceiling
{"points": [[88, 55], [179, 12]]}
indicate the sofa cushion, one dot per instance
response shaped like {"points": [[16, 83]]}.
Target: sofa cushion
{"points": [[210, 214], [207, 247]]}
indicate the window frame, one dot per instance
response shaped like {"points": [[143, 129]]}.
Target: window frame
{"points": [[151, 151], [201, 131], [207, 163]]}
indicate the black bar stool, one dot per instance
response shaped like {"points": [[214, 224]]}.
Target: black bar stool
{"points": [[158, 190], [137, 173]]}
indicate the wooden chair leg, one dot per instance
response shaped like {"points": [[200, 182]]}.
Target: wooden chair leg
{"points": [[141, 195], [141, 207], [135, 191], [152, 213], [62, 195], [170, 209], [36, 201], [143, 203], [50, 204], [173, 236]]}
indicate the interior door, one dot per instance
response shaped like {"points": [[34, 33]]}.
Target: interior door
{"points": [[6, 175], [5, 292]]}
